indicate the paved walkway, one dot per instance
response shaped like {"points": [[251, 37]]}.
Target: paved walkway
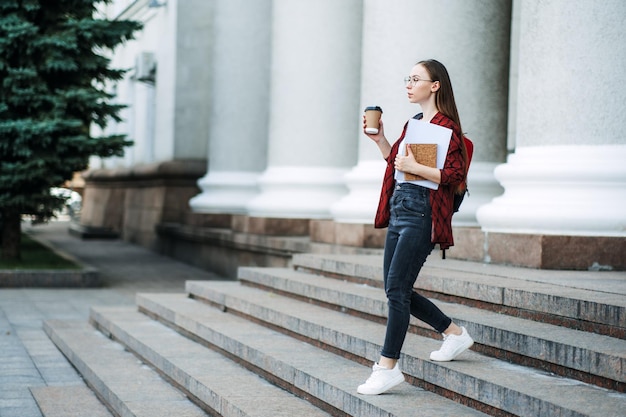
{"points": [[27, 357]]}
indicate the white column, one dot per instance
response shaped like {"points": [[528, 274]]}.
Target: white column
{"points": [[165, 86], [138, 93], [239, 107], [314, 119], [568, 175], [192, 76], [473, 44]]}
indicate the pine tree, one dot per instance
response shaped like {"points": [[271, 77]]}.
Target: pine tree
{"points": [[53, 76]]}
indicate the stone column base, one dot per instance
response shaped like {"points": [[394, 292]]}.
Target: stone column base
{"points": [[539, 251], [571, 190], [225, 192], [472, 244], [270, 226], [211, 220], [347, 234], [294, 192]]}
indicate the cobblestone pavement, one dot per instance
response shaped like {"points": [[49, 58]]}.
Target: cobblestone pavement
{"points": [[27, 357]]}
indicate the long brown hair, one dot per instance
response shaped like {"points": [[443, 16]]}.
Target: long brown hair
{"points": [[444, 100]]}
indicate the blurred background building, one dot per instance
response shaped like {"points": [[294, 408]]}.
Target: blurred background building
{"points": [[246, 117]]}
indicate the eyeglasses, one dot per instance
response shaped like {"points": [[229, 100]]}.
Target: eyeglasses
{"points": [[414, 80]]}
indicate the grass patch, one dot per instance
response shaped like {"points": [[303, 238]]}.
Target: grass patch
{"points": [[37, 256]]}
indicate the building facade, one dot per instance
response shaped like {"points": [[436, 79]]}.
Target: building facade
{"points": [[251, 110]]}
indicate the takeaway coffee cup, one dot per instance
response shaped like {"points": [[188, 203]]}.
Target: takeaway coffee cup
{"points": [[372, 119]]}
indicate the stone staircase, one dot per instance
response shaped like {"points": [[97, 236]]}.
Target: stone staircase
{"points": [[297, 341]]}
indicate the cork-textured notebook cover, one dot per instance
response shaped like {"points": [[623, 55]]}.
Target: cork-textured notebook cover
{"points": [[425, 154]]}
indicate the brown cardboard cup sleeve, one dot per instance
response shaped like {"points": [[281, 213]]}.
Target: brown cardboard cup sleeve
{"points": [[425, 154]]}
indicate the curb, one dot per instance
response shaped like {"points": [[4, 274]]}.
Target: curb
{"points": [[85, 277]]}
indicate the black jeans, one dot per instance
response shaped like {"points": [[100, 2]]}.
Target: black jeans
{"points": [[406, 248]]}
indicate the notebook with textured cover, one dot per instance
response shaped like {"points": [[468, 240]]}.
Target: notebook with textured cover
{"points": [[425, 154], [421, 132]]}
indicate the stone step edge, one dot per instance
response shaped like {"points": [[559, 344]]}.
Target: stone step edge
{"points": [[369, 267], [109, 395], [410, 361], [254, 277], [153, 306], [256, 242], [105, 320], [489, 297], [59, 401]]}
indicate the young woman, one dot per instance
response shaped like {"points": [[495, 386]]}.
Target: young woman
{"points": [[417, 219]]}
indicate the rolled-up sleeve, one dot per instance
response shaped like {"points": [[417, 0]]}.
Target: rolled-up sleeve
{"points": [[454, 168]]}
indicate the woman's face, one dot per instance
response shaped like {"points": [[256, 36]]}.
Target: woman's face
{"points": [[420, 87]]}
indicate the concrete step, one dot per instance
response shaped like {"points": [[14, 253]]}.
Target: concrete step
{"points": [[597, 359], [69, 401], [593, 301], [127, 386], [479, 379], [219, 384], [329, 379]]}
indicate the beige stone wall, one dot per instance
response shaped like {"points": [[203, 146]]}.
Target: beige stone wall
{"points": [[539, 250], [103, 206], [132, 202]]}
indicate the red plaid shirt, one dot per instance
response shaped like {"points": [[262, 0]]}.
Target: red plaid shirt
{"points": [[441, 200]]}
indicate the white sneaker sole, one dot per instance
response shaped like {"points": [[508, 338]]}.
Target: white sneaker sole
{"points": [[392, 383], [456, 353]]}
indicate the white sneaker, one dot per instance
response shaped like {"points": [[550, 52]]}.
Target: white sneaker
{"points": [[381, 380], [452, 347]]}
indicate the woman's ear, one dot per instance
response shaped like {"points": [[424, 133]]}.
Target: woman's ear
{"points": [[434, 87]]}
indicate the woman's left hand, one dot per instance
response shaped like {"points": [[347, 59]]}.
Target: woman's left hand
{"points": [[406, 163], [409, 164]]}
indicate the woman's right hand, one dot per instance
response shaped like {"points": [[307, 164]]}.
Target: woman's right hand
{"points": [[378, 137]]}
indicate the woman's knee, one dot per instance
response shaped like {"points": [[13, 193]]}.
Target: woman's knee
{"points": [[398, 297]]}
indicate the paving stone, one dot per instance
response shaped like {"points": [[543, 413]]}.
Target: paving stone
{"points": [[17, 373], [50, 363], [21, 410]]}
